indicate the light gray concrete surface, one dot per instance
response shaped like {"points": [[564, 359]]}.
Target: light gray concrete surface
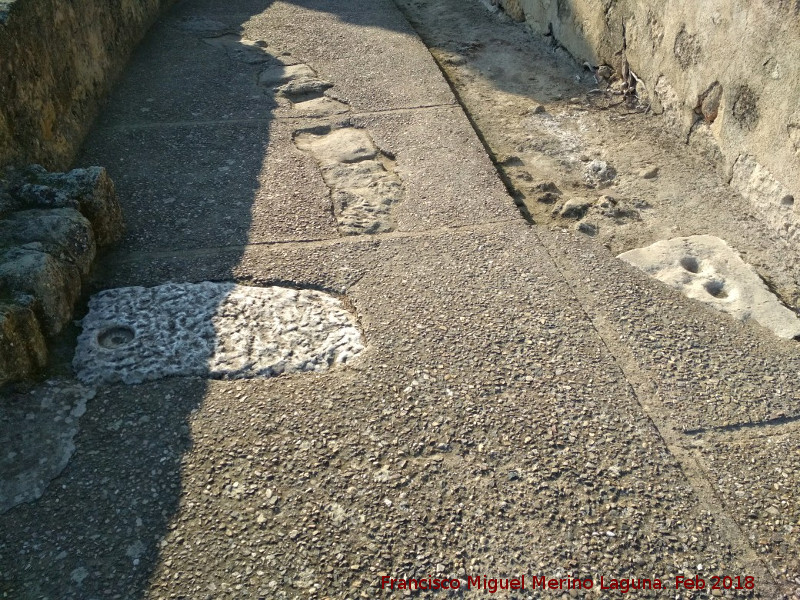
{"points": [[526, 404]]}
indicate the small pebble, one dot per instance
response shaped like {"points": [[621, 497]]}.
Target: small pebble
{"points": [[649, 173]]}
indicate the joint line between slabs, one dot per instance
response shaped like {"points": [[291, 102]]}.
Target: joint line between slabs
{"points": [[689, 461], [267, 120], [132, 257]]}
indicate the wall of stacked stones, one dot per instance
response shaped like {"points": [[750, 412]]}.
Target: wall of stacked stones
{"points": [[58, 60]]}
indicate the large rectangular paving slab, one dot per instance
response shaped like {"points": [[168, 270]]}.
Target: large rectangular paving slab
{"points": [[175, 76], [375, 32], [448, 179], [395, 69], [486, 430], [200, 66], [213, 185]]}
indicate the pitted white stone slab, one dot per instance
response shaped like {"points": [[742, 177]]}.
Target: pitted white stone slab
{"points": [[705, 268], [219, 330]]}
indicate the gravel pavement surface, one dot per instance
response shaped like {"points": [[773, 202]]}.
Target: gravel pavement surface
{"points": [[526, 404]]}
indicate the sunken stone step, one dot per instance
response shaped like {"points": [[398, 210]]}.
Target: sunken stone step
{"points": [[43, 282]]}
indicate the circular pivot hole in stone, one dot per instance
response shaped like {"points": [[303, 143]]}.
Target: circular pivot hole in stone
{"points": [[690, 264], [716, 288], [115, 337]]}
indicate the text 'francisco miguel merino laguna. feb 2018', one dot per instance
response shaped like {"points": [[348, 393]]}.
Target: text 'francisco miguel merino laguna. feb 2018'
{"points": [[541, 582]]}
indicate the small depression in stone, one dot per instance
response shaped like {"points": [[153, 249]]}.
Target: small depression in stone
{"points": [[116, 337], [690, 264], [716, 288]]}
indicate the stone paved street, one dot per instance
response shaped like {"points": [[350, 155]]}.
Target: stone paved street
{"points": [[525, 403]]}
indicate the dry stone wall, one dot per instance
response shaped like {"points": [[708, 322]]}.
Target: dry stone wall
{"points": [[51, 226], [57, 61], [725, 74]]}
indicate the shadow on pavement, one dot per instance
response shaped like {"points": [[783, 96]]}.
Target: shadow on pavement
{"points": [[184, 136]]}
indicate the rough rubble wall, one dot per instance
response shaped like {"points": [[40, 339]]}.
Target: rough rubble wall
{"points": [[51, 226], [57, 61], [724, 73]]}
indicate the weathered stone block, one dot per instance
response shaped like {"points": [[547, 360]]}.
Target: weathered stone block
{"points": [[514, 9], [707, 269], [89, 190], [63, 233], [23, 346], [54, 285], [50, 227]]}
